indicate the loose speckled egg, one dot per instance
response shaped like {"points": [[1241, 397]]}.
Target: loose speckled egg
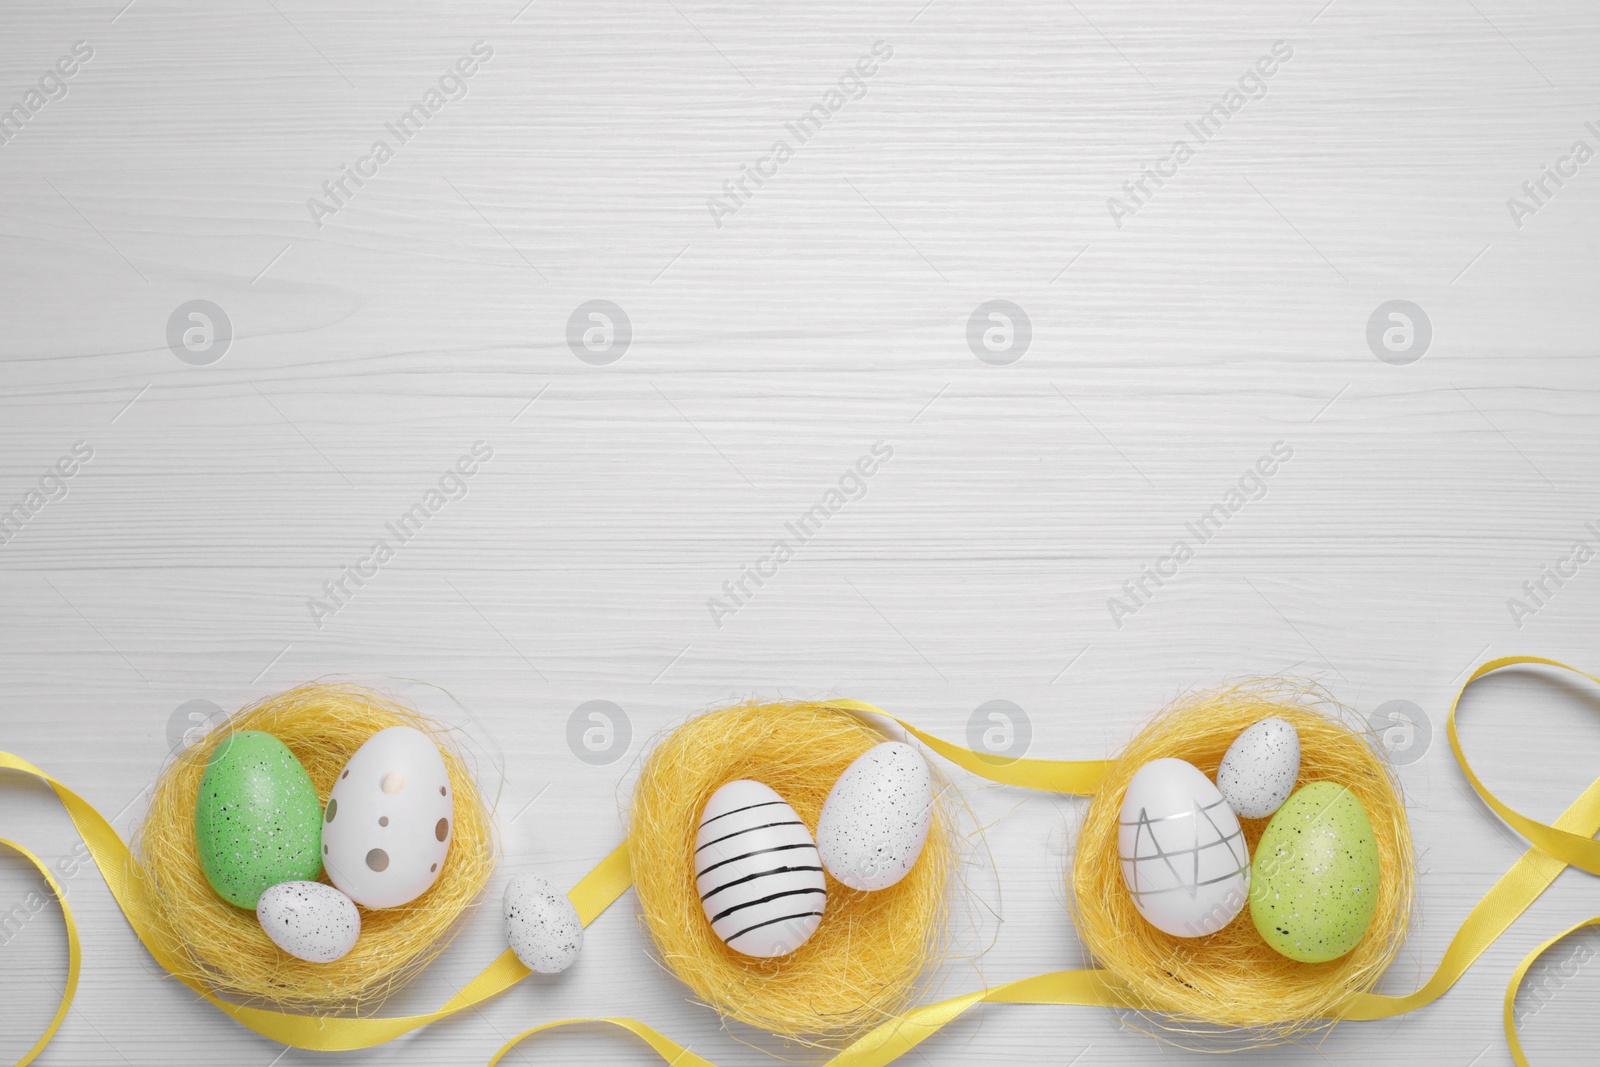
{"points": [[875, 820], [256, 818], [757, 871], [1184, 857], [1258, 772], [309, 920], [388, 823], [1315, 875], [542, 925]]}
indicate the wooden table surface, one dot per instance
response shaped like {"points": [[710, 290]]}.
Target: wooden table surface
{"points": [[372, 315]]}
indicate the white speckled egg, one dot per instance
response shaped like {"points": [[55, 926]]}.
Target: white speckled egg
{"points": [[309, 920], [876, 817], [387, 827], [1259, 770], [757, 870], [542, 925], [1184, 857]]}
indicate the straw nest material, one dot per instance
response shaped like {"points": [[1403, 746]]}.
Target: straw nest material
{"points": [[224, 946], [1232, 980], [862, 964]]}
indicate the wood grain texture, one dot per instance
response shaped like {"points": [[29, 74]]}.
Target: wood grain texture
{"points": [[827, 313]]}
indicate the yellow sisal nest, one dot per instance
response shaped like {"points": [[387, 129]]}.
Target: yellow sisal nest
{"points": [[863, 963], [226, 948], [1232, 980]]}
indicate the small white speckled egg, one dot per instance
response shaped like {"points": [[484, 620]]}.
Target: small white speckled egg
{"points": [[757, 870], [387, 827], [308, 920], [1259, 770], [542, 925], [876, 817]]}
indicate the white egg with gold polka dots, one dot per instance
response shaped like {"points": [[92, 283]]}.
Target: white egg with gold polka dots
{"points": [[387, 827]]}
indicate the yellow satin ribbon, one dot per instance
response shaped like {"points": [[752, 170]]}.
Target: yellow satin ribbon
{"points": [[1562, 843], [1580, 851], [74, 953], [1568, 841], [1077, 777], [1516, 984], [897, 1037], [591, 896]]}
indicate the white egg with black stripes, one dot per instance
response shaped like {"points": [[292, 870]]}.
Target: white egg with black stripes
{"points": [[758, 871]]}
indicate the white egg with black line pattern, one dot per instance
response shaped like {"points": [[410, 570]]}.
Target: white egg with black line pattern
{"points": [[758, 871], [1184, 857]]}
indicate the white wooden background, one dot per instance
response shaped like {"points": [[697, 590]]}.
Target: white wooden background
{"points": [[828, 313]]}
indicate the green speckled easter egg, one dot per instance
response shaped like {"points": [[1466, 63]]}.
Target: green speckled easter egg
{"points": [[257, 821], [1314, 876]]}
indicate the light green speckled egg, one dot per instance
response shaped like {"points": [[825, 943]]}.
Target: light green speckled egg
{"points": [[257, 820], [1314, 876]]}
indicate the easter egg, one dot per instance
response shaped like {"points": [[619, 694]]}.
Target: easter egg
{"points": [[308, 920], [1258, 771], [542, 925], [1315, 875], [875, 819], [389, 818], [255, 818], [1184, 858], [757, 871]]}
